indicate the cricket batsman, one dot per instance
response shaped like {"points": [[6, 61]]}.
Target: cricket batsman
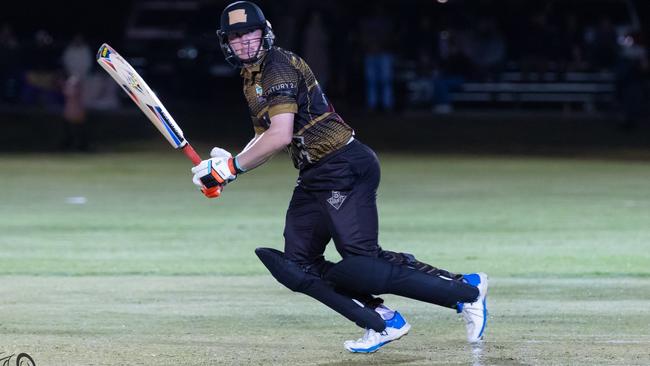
{"points": [[334, 198]]}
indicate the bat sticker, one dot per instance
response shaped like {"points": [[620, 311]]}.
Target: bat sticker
{"points": [[134, 83]]}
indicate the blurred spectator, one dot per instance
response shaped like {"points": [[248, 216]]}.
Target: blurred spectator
{"points": [[9, 65], [77, 58], [346, 59], [536, 47], [451, 72], [486, 48], [572, 46], [604, 49], [315, 48], [376, 33], [75, 132], [43, 81], [418, 48], [77, 61], [631, 75], [423, 43]]}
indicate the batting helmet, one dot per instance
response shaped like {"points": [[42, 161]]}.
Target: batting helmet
{"points": [[242, 17]]}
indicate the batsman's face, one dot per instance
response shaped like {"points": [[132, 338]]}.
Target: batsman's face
{"points": [[245, 45]]}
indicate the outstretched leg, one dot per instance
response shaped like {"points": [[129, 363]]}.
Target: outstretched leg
{"points": [[380, 276], [401, 274]]}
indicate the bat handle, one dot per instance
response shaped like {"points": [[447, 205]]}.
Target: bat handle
{"points": [[189, 151]]}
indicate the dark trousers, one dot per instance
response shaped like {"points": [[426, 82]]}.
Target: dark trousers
{"points": [[335, 199]]}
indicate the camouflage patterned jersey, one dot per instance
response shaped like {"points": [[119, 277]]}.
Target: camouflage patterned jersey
{"points": [[284, 83]]}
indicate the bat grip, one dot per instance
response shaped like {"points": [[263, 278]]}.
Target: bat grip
{"points": [[189, 151]]}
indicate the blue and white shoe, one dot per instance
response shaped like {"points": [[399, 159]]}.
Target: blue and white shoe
{"points": [[396, 328], [475, 313]]}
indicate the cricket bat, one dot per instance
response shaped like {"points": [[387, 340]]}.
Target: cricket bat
{"points": [[138, 90]]}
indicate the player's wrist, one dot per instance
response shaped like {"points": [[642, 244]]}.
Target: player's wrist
{"points": [[238, 168]]}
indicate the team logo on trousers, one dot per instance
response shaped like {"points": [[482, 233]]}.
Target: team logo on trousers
{"points": [[336, 200]]}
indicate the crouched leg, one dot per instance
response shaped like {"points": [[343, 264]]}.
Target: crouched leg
{"points": [[300, 279]]}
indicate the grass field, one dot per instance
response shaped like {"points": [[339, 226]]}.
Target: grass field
{"points": [[148, 272]]}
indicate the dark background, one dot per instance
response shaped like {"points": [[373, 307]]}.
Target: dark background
{"points": [[566, 77]]}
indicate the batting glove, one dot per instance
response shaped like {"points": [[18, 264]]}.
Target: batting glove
{"points": [[215, 172]]}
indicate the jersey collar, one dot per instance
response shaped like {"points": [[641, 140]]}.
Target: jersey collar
{"points": [[248, 71]]}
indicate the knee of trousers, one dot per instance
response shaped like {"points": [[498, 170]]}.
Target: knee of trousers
{"points": [[378, 276], [297, 279]]}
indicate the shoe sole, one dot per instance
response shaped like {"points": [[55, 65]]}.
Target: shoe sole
{"points": [[403, 331]]}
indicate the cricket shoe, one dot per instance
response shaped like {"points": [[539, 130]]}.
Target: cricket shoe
{"points": [[396, 328], [475, 313]]}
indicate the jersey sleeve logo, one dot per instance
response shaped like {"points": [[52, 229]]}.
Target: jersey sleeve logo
{"points": [[282, 89]]}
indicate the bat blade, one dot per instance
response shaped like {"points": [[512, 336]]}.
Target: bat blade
{"points": [[141, 94]]}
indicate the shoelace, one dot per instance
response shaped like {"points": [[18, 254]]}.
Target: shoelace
{"points": [[467, 316], [469, 311], [365, 337], [370, 334]]}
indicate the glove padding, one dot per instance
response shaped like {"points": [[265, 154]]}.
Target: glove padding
{"points": [[219, 153], [214, 172]]}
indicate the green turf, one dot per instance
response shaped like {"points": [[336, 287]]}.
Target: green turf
{"points": [[148, 272]]}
